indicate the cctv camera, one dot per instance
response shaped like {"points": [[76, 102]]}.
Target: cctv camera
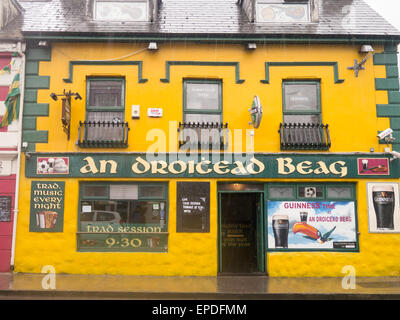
{"points": [[395, 154], [384, 134]]}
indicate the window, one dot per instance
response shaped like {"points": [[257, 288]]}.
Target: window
{"points": [[121, 10], [312, 217], [123, 217], [301, 102], [202, 101], [105, 113], [283, 11], [302, 128], [202, 115]]}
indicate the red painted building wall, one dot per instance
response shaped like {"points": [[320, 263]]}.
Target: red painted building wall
{"points": [[7, 184], [7, 188]]}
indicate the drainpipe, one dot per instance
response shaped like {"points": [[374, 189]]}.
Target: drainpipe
{"points": [[253, 11], [21, 50]]}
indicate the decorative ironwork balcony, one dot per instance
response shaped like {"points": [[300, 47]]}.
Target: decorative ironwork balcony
{"points": [[203, 135], [304, 136], [103, 134]]}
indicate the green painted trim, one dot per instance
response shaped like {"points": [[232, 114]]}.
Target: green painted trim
{"points": [[35, 136], [32, 68], [30, 95], [335, 66], [395, 123], [31, 147], [390, 48], [394, 97], [168, 65], [386, 84], [37, 82], [385, 59], [392, 72], [389, 40], [139, 64], [36, 109], [29, 123], [38, 54], [388, 110]]}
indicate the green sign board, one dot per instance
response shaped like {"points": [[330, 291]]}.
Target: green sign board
{"points": [[212, 165], [47, 206], [122, 242]]}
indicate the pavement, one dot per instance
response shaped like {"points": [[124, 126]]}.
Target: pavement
{"points": [[99, 287]]}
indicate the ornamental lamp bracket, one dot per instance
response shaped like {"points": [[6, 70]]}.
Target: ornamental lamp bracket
{"points": [[66, 108]]}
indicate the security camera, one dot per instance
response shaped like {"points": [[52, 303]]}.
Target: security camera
{"points": [[384, 134], [395, 154]]}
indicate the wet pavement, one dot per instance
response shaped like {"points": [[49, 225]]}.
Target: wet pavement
{"points": [[67, 286]]}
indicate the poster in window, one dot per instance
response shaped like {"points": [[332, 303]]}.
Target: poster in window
{"points": [[47, 206], [383, 207], [5, 208], [312, 225], [193, 207]]}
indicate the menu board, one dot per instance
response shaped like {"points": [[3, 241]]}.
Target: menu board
{"points": [[193, 207], [5, 208]]}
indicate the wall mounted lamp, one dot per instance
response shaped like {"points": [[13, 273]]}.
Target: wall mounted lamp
{"points": [[152, 46], [369, 52], [251, 46], [66, 108], [43, 44]]}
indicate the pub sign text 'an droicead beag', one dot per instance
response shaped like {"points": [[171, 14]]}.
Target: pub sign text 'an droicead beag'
{"points": [[142, 165]]}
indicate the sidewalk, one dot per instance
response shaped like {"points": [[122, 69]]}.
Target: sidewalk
{"points": [[29, 286]]}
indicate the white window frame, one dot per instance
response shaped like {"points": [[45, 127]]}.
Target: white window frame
{"points": [[146, 15], [282, 2]]}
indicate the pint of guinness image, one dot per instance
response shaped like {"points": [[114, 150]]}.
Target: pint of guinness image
{"points": [[303, 216], [280, 226], [383, 199]]}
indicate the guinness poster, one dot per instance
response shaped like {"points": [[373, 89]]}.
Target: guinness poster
{"points": [[383, 207]]}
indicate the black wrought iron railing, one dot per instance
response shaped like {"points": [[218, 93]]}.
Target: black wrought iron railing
{"points": [[203, 135], [304, 136], [103, 134]]}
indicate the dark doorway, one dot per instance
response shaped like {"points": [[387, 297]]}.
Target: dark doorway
{"points": [[241, 233]]}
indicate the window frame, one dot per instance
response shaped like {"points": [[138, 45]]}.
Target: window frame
{"points": [[301, 112], [218, 111], [164, 198], [147, 14], [283, 2], [120, 108]]}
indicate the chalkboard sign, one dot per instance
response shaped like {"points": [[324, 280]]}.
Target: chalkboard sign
{"points": [[5, 208], [193, 207]]}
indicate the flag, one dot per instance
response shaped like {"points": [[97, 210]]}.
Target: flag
{"points": [[12, 103]]}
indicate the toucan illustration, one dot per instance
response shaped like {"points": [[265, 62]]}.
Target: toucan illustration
{"points": [[312, 233]]}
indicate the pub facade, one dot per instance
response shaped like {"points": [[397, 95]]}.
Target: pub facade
{"points": [[232, 137]]}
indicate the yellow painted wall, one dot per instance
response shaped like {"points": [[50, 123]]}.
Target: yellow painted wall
{"points": [[341, 103], [349, 109]]}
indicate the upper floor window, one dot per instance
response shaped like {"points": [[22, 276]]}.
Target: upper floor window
{"points": [[202, 115], [301, 102], [283, 11], [105, 114], [302, 127], [202, 101], [121, 10]]}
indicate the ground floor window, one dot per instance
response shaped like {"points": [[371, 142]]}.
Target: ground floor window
{"points": [[123, 217], [312, 217]]}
